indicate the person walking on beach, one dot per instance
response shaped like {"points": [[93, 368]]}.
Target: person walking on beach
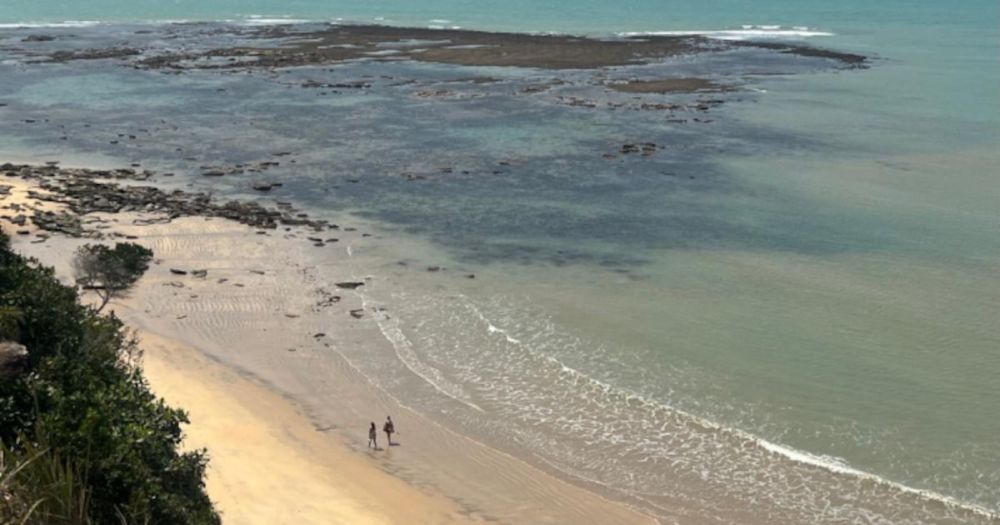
{"points": [[372, 437], [388, 428]]}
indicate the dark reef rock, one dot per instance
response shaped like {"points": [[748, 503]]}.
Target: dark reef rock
{"points": [[85, 191], [456, 46]]}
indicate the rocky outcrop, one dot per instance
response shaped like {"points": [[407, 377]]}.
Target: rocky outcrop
{"points": [[94, 54], [85, 191]]}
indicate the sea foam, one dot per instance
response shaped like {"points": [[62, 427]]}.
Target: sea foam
{"points": [[67, 23], [746, 32]]}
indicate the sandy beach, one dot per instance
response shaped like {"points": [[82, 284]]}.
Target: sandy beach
{"points": [[264, 452], [247, 351]]}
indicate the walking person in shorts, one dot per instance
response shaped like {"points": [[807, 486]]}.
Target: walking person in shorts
{"points": [[388, 428], [372, 437]]}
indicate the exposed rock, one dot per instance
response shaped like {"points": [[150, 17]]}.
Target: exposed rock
{"points": [[93, 54], [645, 149], [13, 359], [86, 191], [62, 222], [669, 85], [326, 300], [176, 271], [342, 43]]}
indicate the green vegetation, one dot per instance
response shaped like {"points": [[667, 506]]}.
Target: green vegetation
{"points": [[84, 441], [109, 271]]}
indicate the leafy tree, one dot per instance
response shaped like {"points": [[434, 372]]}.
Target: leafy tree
{"points": [[109, 271]]}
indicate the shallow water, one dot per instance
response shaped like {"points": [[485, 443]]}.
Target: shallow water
{"points": [[787, 314]]}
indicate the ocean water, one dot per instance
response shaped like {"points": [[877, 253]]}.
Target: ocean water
{"points": [[787, 315]]}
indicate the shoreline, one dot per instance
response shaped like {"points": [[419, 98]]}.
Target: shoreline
{"points": [[280, 310], [239, 352]]}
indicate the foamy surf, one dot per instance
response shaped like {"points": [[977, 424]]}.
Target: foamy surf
{"points": [[391, 331], [746, 32], [517, 367], [261, 20], [831, 464], [839, 466], [38, 25]]}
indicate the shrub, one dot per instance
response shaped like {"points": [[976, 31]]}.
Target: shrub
{"points": [[85, 402], [109, 271]]}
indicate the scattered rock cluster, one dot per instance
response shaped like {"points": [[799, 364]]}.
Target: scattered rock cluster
{"points": [[356, 84], [26, 171], [646, 149], [697, 105], [253, 167]]}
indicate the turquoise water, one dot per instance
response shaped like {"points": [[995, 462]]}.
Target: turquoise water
{"points": [[807, 327]]}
